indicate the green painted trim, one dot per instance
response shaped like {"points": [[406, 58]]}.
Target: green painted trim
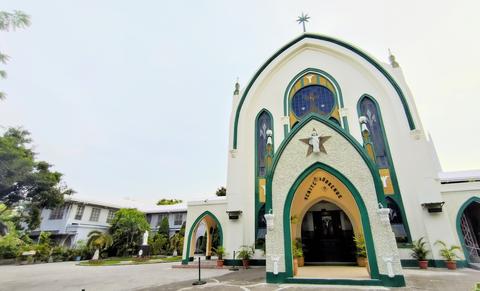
{"points": [[285, 130], [404, 245], [281, 277], [397, 197], [345, 124], [194, 225], [372, 258], [371, 166], [338, 91], [411, 263], [396, 281], [345, 45], [464, 206], [257, 202]]}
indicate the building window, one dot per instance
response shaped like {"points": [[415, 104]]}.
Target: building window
{"points": [[80, 210], [95, 214], [57, 213], [149, 218], [313, 93], [318, 99], [264, 123], [110, 216], [369, 109], [178, 219]]}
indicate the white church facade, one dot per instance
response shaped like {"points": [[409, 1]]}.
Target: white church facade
{"points": [[326, 141]]}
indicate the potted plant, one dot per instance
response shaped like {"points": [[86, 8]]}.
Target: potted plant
{"points": [[245, 253], [219, 252], [361, 250], [297, 253], [448, 253], [420, 252], [300, 258]]}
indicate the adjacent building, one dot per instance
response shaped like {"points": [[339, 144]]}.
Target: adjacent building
{"points": [[73, 221]]}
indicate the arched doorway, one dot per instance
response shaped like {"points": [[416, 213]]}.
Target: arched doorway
{"points": [[327, 235], [323, 194], [468, 227], [204, 236]]}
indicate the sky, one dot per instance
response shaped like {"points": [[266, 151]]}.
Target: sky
{"points": [[131, 99]]}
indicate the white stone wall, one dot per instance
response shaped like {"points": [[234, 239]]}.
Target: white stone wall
{"points": [[342, 156], [455, 195]]}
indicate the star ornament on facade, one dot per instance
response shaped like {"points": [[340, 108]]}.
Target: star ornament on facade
{"points": [[315, 143]]}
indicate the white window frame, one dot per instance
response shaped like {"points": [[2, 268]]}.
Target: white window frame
{"points": [[94, 216]]}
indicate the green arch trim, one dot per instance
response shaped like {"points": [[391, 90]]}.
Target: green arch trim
{"points": [[367, 232], [341, 132], [459, 224], [257, 200], [343, 44], [397, 197], [194, 225]]}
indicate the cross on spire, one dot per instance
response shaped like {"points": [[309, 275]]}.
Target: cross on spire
{"points": [[302, 19]]}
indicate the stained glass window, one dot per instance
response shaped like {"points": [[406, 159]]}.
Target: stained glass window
{"points": [[264, 123], [396, 221], [315, 98], [369, 109]]}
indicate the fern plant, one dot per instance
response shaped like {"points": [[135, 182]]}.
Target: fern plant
{"points": [[419, 251]]}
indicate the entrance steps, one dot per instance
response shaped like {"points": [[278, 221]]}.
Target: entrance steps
{"points": [[475, 266]]}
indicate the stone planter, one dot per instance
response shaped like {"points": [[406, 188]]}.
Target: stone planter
{"points": [[451, 265], [423, 264]]}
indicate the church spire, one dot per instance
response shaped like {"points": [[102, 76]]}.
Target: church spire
{"points": [[393, 62]]}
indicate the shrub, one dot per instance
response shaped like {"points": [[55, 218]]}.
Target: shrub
{"points": [[10, 246], [159, 245]]}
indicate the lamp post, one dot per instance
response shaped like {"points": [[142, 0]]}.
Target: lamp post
{"points": [[269, 217]]}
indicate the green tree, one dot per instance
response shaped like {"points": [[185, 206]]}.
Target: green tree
{"points": [[164, 227], [222, 191], [128, 226], [159, 244], [176, 241], [25, 183], [169, 201], [11, 21], [99, 241]]}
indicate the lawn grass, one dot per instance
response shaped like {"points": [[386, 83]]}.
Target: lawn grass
{"points": [[129, 261]]}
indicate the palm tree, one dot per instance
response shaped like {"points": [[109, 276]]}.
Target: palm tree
{"points": [[97, 241]]}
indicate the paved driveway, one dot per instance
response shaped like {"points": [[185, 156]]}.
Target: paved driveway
{"points": [[68, 276]]}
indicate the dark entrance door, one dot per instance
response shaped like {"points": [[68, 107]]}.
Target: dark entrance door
{"points": [[327, 241]]}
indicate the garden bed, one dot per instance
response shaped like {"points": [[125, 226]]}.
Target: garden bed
{"points": [[130, 261]]}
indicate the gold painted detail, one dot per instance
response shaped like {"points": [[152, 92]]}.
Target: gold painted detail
{"points": [[261, 190], [323, 180], [386, 181]]}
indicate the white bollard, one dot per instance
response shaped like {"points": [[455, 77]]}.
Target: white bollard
{"points": [[275, 260]]}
